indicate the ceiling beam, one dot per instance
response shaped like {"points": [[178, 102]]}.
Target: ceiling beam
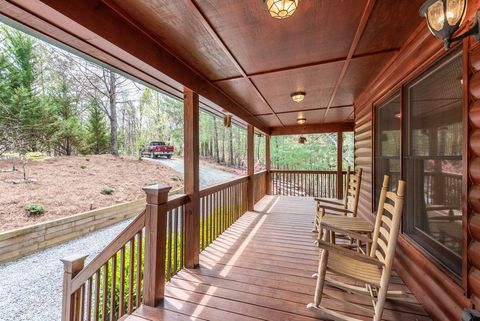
{"points": [[216, 37], [312, 64], [358, 35], [94, 22], [312, 129]]}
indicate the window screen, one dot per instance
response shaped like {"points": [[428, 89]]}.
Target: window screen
{"points": [[387, 144], [433, 160]]}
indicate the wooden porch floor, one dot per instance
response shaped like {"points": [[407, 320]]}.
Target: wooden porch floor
{"points": [[260, 269]]}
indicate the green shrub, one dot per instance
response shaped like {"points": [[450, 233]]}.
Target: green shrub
{"points": [[107, 191], [83, 166], [35, 209], [37, 156]]}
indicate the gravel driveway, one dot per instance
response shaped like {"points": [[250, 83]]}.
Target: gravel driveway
{"points": [[208, 175], [31, 288]]}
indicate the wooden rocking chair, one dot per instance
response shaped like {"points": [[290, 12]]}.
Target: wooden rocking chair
{"points": [[330, 209], [373, 270]]}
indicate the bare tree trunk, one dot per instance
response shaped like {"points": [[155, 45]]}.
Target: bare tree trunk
{"points": [[215, 140], [230, 158], [223, 146], [113, 113]]}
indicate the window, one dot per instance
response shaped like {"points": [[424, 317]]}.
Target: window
{"points": [[433, 160], [387, 144]]}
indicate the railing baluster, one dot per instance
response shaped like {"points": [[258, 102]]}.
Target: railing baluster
{"points": [[121, 301], [139, 267], [81, 303], [104, 291], [113, 287], [130, 276], [96, 307], [168, 245], [175, 241], [89, 299]]}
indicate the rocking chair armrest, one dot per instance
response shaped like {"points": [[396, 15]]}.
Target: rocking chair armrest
{"points": [[329, 201], [346, 252], [351, 233], [335, 209]]}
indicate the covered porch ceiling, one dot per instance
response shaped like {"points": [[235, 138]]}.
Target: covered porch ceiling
{"points": [[238, 58]]}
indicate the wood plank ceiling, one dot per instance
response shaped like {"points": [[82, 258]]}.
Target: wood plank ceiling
{"points": [[329, 49]]}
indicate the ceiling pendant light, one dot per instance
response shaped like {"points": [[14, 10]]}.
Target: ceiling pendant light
{"points": [[281, 9], [301, 118], [298, 96]]}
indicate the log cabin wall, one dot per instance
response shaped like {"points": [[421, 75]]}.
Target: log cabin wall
{"points": [[472, 73], [443, 296]]}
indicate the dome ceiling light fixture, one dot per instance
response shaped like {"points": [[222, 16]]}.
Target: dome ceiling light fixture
{"points": [[444, 17], [281, 9], [298, 96], [301, 118]]}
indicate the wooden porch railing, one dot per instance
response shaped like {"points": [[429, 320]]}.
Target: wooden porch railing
{"points": [[260, 184], [305, 183], [220, 206], [134, 267], [113, 283]]}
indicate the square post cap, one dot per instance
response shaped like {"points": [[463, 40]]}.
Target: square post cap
{"points": [[157, 193]]}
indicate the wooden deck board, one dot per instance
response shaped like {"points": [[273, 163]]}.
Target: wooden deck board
{"points": [[260, 269]]}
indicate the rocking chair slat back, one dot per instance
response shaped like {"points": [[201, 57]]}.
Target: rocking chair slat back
{"points": [[352, 191]]}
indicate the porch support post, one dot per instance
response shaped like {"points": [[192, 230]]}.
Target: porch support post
{"points": [[191, 179], [155, 243], [250, 167], [268, 164], [339, 165]]}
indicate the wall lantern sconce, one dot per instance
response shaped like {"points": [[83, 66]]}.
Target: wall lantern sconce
{"points": [[281, 9], [298, 96], [227, 121], [444, 18], [302, 140]]}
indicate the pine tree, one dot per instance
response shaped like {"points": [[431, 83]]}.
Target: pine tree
{"points": [[97, 131], [67, 133]]}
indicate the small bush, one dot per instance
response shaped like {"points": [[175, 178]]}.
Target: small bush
{"points": [[83, 166], [35, 209], [36, 156], [107, 191]]}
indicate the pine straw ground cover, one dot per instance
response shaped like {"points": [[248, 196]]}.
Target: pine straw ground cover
{"points": [[73, 184]]}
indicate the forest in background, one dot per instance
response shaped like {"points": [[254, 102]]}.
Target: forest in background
{"points": [[57, 103]]}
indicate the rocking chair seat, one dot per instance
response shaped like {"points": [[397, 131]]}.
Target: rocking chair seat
{"points": [[357, 224], [358, 270]]}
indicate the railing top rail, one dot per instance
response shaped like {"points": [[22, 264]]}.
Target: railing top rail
{"points": [[177, 200], [302, 171], [218, 187], [262, 172], [133, 228]]}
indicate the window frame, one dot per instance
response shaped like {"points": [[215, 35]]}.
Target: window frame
{"points": [[442, 254], [400, 88]]}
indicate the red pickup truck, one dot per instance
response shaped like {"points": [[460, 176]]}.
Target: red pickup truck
{"points": [[157, 149]]}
